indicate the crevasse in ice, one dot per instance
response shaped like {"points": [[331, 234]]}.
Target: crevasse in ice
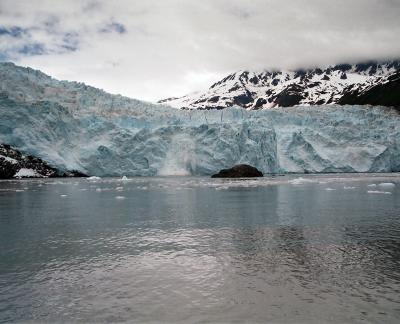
{"points": [[74, 126]]}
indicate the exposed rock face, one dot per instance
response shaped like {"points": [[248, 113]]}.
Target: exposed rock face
{"points": [[371, 83], [239, 171], [13, 164], [385, 94]]}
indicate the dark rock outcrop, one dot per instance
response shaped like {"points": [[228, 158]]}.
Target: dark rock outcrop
{"points": [[239, 171], [291, 96], [386, 94], [14, 164]]}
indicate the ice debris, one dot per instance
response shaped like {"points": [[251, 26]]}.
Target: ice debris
{"points": [[379, 192]]}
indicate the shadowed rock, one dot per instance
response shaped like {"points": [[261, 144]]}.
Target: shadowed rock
{"points": [[239, 171], [13, 164]]}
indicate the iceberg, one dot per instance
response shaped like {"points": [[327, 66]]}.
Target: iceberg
{"points": [[387, 185], [76, 127]]}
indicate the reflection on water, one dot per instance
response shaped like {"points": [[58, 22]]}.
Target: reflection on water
{"points": [[195, 249]]}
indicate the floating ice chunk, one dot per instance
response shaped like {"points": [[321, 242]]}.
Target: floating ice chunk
{"points": [[98, 189], [26, 173], [329, 189], [19, 190], [379, 192], [349, 188], [372, 185], [387, 185], [300, 180], [124, 178], [119, 197], [93, 178], [119, 188], [63, 196]]}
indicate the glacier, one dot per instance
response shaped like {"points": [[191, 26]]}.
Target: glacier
{"points": [[77, 127]]}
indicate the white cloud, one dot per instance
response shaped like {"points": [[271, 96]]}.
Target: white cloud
{"points": [[172, 47]]}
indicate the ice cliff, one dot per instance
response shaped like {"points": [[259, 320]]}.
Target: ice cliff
{"points": [[77, 127]]}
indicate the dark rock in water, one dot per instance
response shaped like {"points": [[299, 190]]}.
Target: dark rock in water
{"points": [[13, 164], [239, 171]]}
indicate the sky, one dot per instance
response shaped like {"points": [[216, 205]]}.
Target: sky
{"points": [[155, 49]]}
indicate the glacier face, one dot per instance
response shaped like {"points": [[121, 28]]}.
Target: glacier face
{"points": [[74, 126]]}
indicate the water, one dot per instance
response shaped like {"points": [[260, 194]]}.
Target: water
{"points": [[281, 249]]}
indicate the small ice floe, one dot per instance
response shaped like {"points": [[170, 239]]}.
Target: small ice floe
{"points": [[379, 192], [222, 188], [349, 188], [63, 196], [330, 189], [19, 190], [372, 185], [124, 178], [119, 188], [299, 181], [98, 189], [119, 197], [93, 178], [387, 185]]}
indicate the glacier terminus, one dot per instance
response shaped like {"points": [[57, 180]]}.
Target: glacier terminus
{"points": [[77, 127]]}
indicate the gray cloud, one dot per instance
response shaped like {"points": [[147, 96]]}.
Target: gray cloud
{"points": [[114, 27], [154, 49]]}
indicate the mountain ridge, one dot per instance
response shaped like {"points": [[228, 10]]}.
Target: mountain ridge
{"points": [[335, 84]]}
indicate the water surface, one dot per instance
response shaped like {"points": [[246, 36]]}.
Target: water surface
{"points": [[283, 249]]}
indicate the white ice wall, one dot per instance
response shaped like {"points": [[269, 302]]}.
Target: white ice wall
{"points": [[74, 126]]}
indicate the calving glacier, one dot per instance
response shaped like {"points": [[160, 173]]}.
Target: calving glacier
{"points": [[76, 127]]}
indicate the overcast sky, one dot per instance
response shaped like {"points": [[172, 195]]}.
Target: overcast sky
{"points": [[152, 49]]}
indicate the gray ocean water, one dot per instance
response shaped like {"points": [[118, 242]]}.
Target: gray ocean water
{"points": [[286, 249]]}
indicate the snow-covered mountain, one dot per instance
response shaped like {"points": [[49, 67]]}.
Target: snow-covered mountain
{"points": [[340, 84], [73, 126]]}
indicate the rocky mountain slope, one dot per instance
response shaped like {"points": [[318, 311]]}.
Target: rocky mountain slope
{"points": [[14, 164], [367, 83]]}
